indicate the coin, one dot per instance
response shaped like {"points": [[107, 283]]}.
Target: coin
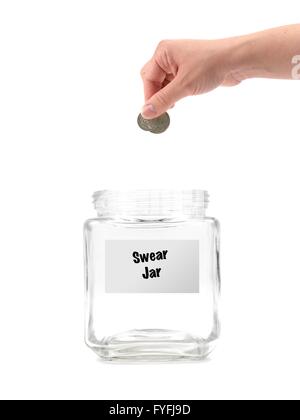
{"points": [[156, 125], [142, 122]]}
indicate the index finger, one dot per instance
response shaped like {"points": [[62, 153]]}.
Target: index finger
{"points": [[153, 77]]}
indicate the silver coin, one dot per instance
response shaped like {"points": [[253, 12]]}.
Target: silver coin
{"points": [[142, 122], [156, 125]]}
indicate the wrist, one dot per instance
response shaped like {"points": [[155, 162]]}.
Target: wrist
{"points": [[246, 58]]}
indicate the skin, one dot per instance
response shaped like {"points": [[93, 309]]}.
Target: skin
{"points": [[181, 68]]}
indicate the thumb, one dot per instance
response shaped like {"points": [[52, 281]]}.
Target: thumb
{"points": [[162, 100]]}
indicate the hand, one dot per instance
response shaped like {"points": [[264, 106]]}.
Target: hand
{"points": [[182, 68], [191, 67]]}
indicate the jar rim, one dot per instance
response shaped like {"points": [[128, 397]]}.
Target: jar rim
{"points": [[150, 202]]}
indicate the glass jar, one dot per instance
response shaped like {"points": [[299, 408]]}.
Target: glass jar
{"points": [[152, 276]]}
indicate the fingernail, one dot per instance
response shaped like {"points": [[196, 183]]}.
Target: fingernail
{"points": [[148, 111]]}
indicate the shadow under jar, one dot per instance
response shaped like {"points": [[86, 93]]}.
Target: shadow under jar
{"points": [[152, 276]]}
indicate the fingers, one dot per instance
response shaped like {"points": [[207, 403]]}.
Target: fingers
{"points": [[161, 89], [163, 99], [153, 78]]}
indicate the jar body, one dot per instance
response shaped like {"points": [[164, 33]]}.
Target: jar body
{"points": [[152, 288]]}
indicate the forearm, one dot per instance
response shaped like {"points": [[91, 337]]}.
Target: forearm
{"points": [[270, 54]]}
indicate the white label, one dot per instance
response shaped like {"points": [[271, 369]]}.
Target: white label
{"points": [[152, 266]]}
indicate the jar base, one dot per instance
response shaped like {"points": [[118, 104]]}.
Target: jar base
{"points": [[152, 345]]}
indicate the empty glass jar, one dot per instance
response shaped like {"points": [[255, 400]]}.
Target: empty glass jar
{"points": [[152, 276]]}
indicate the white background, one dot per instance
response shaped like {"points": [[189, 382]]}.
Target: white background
{"points": [[70, 92]]}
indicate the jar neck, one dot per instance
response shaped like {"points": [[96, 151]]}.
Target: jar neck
{"points": [[151, 205]]}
